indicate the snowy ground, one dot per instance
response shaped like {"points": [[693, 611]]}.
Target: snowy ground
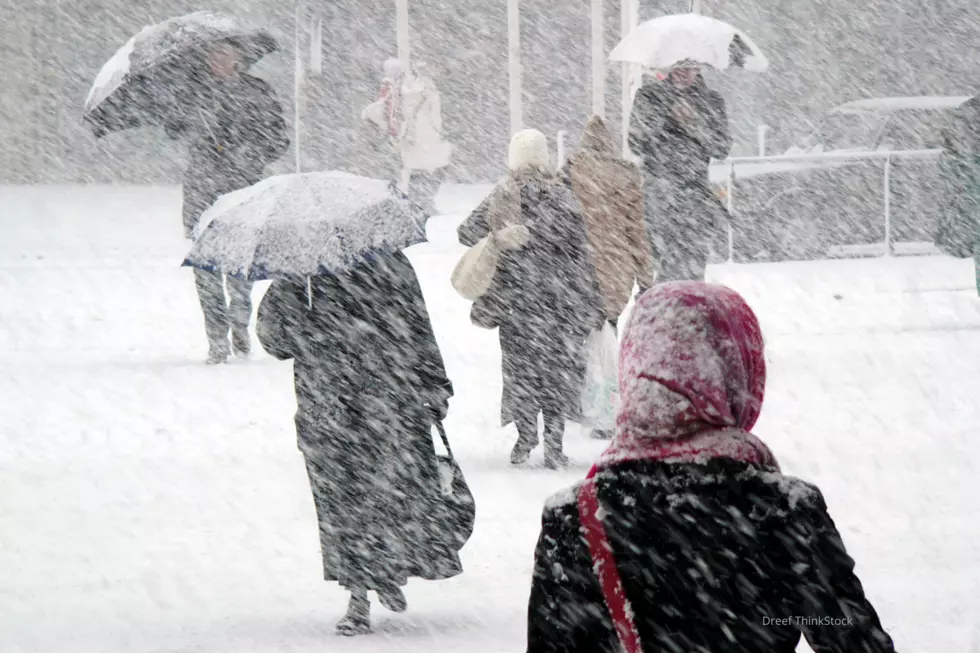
{"points": [[151, 504]]}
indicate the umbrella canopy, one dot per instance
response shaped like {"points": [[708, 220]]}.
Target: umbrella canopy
{"points": [[671, 40], [303, 225], [143, 82]]}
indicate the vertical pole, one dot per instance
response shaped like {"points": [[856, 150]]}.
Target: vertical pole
{"points": [[562, 135], [401, 30], [888, 206], [514, 61], [627, 99], [731, 210], [297, 91], [695, 6], [763, 129], [598, 59]]}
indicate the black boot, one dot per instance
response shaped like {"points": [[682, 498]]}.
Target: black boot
{"points": [[554, 434], [527, 440]]}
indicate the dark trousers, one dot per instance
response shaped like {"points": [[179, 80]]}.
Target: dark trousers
{"points": [[222, 313], [423, 186], [554, 430]]}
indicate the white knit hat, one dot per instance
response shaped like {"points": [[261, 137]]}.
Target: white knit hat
{"points": [[529, 148]]}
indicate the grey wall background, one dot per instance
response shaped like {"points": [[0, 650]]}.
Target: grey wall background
{"points": [[824, 52]]}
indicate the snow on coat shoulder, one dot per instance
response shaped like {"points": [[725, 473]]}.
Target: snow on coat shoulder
{"points": [[564, 498]]}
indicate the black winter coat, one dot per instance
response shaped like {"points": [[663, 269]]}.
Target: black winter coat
{"points": [[234, 131], [365, 361], [669, 149], [711, 557]]}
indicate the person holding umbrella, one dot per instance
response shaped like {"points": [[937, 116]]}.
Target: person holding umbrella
{"points": [[188, 75], [235, 128], [346, 307], [677, 126]]}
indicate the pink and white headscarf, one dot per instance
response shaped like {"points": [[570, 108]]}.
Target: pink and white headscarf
{"points": [[692, 377]]}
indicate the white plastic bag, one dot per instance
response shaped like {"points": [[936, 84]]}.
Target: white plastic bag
{"points": [[600, 393]]}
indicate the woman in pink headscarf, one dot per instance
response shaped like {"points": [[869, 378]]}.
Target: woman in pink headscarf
{"points": [[686, 536]]}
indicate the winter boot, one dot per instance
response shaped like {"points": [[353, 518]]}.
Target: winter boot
{"points": [[357, 621], [218, 353], [241, 342], [527, 440], [392, 598]]}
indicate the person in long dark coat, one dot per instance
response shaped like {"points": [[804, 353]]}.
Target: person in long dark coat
{"points": [[369, 383], [958, 231], [544, 297], [676, 127], [686, 536], [235, 126]]}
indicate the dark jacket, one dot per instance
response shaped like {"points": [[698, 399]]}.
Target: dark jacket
{"points": [[710, 557], [234, 131], [365, 363], [959, 168], [670, 149], [545, 299]]}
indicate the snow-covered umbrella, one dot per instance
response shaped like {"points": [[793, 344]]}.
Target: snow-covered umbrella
{"points": [[145, 80], [671, 40], [303, 225]]}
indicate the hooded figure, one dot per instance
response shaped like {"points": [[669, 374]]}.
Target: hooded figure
{"points": [[610, 192], [543, 297], [676, 127], [369, 382], [686, 536], [234, 125]]}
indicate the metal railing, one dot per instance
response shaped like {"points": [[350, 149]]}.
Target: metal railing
{"points": [[888, 156]]}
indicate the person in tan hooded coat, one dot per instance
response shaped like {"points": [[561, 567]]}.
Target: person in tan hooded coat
{"points": [[610, 191]]}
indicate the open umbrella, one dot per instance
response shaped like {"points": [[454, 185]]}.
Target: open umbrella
{"points": [[144, 82], [302, 225], [670, 40]]}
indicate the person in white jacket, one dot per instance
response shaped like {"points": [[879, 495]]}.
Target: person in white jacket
{"points": [[410, 108]]}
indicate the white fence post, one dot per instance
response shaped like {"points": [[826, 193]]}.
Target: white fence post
{"points": [[298, 91], [598, 59], [402, 34], [514, 61], [562, 154], [888, 206]]}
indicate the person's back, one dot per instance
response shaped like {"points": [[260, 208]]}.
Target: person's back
{"points": [[610, 192], [686, 536]]}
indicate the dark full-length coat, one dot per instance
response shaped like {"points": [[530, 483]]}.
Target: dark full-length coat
{"points": [[719, 557], [365, 363], [684, 217], [235, 129], [544, 296]]}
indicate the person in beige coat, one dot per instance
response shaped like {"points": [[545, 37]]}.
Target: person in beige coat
{"points": [[610, 192]]}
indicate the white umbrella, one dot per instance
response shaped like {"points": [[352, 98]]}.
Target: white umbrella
{"points": [[667, 41], [304, 225]]}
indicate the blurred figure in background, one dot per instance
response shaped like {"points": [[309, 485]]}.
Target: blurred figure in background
{"points": [[677, 126], [543, 297], [685, 535], [409, 108], [610, 192], [235, 127]]}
